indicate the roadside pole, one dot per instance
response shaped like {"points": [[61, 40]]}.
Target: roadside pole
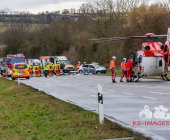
{"points": [[100, 104]]}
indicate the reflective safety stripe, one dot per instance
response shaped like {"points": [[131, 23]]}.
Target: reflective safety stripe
{"points": [[112, 64]]}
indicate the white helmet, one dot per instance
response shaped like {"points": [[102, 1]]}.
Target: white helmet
{"points": [[79, 62], [113, 57], [124, 59], [84, 62]]}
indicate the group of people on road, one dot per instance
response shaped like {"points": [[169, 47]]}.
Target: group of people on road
{"points": [[126, 67], [48, 69]]}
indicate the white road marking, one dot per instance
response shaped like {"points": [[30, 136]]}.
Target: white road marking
{"points": [[111, 90], [85, 86], [157, 87], [127, 93], [158, 92], [48, 84], [149, 98], [93, 95]]}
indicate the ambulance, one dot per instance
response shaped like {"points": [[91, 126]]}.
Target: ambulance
{"points": [[67, 65], [54, 59]]}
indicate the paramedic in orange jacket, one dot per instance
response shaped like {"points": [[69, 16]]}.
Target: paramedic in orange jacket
{"points": [[112, 67], [78, 65], [123, 67], [129, 67]]}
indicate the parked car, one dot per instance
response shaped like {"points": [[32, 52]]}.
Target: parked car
{"points": [[91, 68]]}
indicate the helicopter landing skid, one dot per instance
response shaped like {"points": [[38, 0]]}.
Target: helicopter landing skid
{"points": [[164, 77], [139, 76]]}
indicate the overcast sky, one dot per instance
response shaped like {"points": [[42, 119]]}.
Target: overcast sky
{"points": [[35, 6]]}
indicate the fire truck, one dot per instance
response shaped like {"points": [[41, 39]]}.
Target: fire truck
{"points": [[9, 61]]}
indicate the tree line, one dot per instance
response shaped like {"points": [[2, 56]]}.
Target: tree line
{"points": [[108, 18]]}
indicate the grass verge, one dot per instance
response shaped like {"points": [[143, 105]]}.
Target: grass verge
{"points": [[27, 113]]}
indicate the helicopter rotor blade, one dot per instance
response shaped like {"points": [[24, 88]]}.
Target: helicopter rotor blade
{"points": [[125, 38]]}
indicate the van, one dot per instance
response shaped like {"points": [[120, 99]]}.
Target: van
{"points": [[54, 59]]}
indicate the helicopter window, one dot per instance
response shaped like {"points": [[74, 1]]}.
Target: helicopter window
{"points": [[160, 63], [166, 48], [147, 47], [162, 47]]}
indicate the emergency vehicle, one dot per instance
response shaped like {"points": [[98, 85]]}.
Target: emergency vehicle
{"points": [[33, 61], [67, 65], [10, 60], [54, 59], [20, 70]]}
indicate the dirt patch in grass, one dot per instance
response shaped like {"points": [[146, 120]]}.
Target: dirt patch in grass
{"points": [[27, 113]]}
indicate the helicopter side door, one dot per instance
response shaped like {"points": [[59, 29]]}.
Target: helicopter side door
{"points": [[152, 66], [138, 61]]}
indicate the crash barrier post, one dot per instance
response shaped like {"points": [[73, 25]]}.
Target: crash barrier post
{"points": [[100, 104], [18, 79]]}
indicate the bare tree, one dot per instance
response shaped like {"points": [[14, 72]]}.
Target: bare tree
{"points": [[108, 13], [84, 8], [65, 11], [72, 10]]}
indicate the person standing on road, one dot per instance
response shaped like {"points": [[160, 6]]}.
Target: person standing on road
{"points": [[50, 69], [46, 69], [39, 69], [123, 67], [78, 65], [129, 67], [58, 69], [31, 70], [112, 67], [36, 70], [61, 68]]}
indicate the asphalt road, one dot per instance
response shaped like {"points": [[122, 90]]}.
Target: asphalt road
{"points": [[122, 101]]}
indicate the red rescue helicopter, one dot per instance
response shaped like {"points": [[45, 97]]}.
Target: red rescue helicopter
{"points": [[151, 59]]}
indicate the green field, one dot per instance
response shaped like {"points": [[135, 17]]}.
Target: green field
{"points": [[27, 113], [6, 25]]}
